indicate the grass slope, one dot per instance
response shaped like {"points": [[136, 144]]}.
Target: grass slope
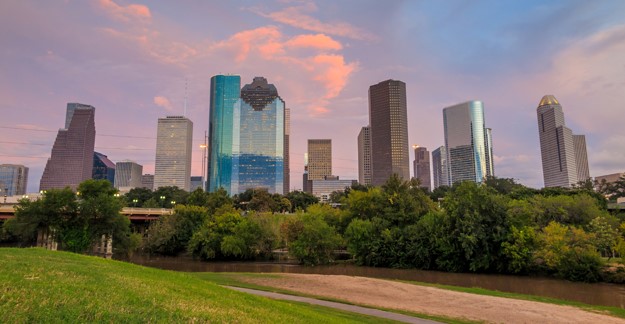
{"points": [[42, 286]]}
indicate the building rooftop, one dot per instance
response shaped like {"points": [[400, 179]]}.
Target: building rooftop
{"points": [[548, 100]]}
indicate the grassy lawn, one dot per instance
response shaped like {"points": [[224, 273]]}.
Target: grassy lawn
{"points": [[42, 286]]}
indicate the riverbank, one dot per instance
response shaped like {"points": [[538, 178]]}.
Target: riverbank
{"points": [[43, 286], [417, 299]]}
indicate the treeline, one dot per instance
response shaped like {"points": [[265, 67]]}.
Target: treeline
{"points": [[499, 226]]}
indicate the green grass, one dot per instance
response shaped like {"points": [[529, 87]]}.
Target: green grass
{"points": [[59, 287], [233, 279]]}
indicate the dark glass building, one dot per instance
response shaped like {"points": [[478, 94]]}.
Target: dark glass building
{"points": [[103, 168], [247, 136], [71, 160], [388, 122]]}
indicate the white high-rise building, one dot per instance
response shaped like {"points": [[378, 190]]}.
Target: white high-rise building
{"points": [[128, 175], [561, 151], [468, 143], [364, 156], [173, 153]]}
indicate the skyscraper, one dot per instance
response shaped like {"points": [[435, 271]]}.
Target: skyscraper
{"points": [[422, 166], [128, 175], [173, 153], [561, 151], [467, 142], [147, 181], [389, 131], [364, 156], [71, 160], [439, 167], [319, 158], [287, 151], [103, 168], [247, 136], [13, 179]]}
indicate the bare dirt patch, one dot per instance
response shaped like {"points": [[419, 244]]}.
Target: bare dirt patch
{"points": [[429, 300]]}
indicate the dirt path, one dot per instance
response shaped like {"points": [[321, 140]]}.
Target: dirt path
{"points": [[429, 300]]}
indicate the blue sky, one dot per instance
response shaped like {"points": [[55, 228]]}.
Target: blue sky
{"points": [[130, 59]]}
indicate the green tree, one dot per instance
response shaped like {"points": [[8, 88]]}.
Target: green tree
{"points": [[198, 198], [606, 235], [316, 241], [520, 249], [169, 196], [171, 234], [300, 200], [141, 195]]}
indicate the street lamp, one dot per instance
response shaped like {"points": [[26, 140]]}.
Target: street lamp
{"points": [[173, 203], [6, 193], [162, 201], [204, 161], [134, 202]]}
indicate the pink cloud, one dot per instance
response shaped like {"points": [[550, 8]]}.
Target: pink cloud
{"points": [[319, 41], [332, 72], [263, 39], [163, 102], [124, 13], [295, 17]]}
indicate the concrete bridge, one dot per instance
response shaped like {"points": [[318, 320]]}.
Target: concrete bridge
{"points": [[136, 215]]}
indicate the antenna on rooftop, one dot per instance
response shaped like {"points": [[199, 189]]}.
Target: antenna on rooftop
{"points": [[185, 97]]}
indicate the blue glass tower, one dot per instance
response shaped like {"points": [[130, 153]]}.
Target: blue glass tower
{"points": [[247, 136], [468, 143]]}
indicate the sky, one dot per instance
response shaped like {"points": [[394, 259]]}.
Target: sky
{"points": [[132, 60]]}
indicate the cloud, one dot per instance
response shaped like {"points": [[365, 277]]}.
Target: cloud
{"points": [[124, 13], [164, 103], [319, 41], [334, 73], [263, 39], [296, 17]]}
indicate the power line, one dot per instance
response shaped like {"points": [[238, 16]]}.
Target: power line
{"points": [[97, 134]]}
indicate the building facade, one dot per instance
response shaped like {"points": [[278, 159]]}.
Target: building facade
{"points": [[319, 158], [103, 168], [173, 153], [71, 159], [364, 156], [128, 175], [439, 168], [468, 143], [247, 136], [324, 187], [13, 179], [421, 166], [196, 182], [147, 181], [389, 131], [560, 150]]}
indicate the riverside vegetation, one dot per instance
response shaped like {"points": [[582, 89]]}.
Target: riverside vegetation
{"points": [[40, 286], [499, 226]]}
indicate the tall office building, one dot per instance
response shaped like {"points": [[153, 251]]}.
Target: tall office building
{"points": [[173, 153], [364, 156], [248, 131], [439, 167], [147, 181], [467, 143], [319, 158], [103, 168], [196, 182], [13, 179], [287, 151], [421, 166], [128, 175], [71, 160], [561, 151], [389, 131]]}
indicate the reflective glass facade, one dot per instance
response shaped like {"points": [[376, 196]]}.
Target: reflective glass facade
{"points": [[469, 155], [13, 177], [247, 136], [225, 92]]}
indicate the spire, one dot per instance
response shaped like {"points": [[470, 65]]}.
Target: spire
{"points": [[548, 100]]}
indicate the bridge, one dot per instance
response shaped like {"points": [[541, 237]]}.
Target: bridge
{"points": [[136, 215]]}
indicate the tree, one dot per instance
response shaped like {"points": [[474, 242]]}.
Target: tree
{"points": [[198, 198], [300, 200], [315, 243], [606, 235], [520, 249], [170, 234], [169, 196], [141, 195]]}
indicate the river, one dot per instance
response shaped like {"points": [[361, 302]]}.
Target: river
{"points": [[595, 294]]}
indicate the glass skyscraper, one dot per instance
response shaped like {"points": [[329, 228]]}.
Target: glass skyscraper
{"points": [[13, 179], [103, 168], [174, 137], [468, 143], [247, 130]]}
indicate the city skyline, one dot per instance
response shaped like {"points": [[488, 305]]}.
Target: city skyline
{"points": [[131, 61]]}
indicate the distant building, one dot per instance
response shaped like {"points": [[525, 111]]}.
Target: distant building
{"points": [[71, 160], [421, 166], [468, 143], [128, 175], [248, 136], [564, 157], [196, 182], [319, 158], [323, 188], [147, 181], [364, 156], [13, 179], [173, 153], [103, 168], [439, 168], [389, 131]]}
